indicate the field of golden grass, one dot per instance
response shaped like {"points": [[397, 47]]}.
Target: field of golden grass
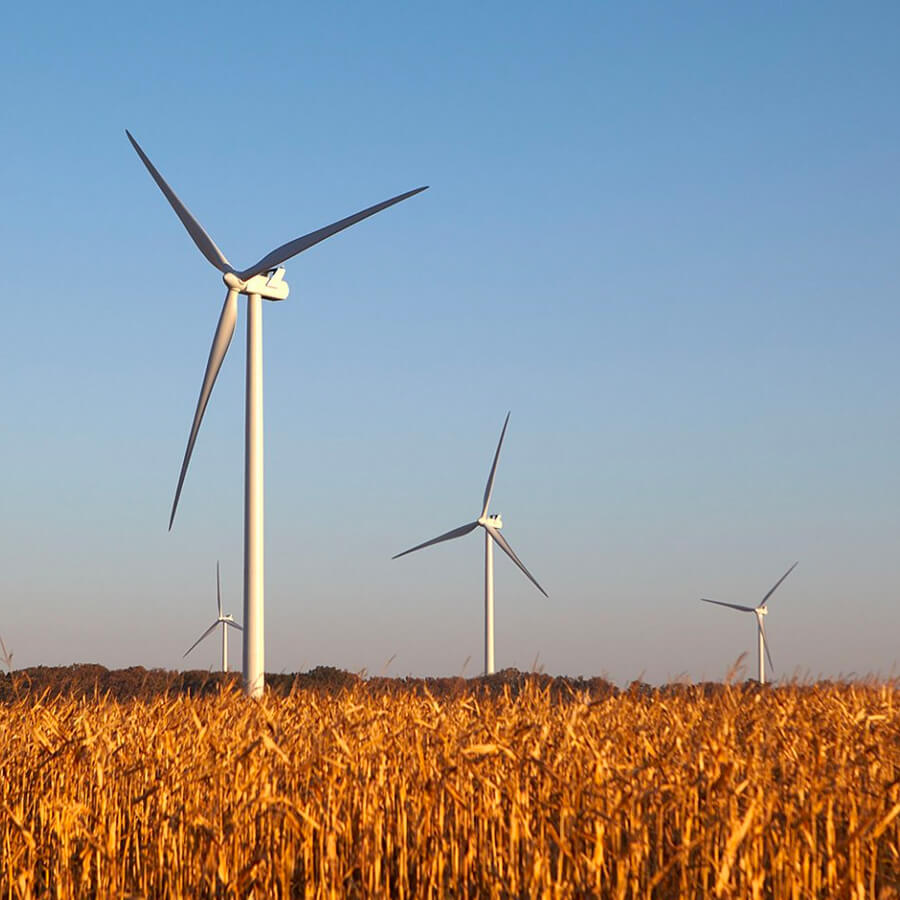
{"points": [[791, 792]]}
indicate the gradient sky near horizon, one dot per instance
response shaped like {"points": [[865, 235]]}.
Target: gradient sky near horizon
{"points": [[665, 236]]}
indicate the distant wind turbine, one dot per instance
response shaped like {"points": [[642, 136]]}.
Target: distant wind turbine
{"points": [[760, 611], [7, 656], [263, 280], [221, 619], [491, 526]]}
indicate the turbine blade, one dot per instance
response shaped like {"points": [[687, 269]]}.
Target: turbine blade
{"points": [[298, 245], [204, 242], [218, 590], [762, 628], [777, 583], [509, 552], [232, 624], [457, 532], [732, 605], [221, 340], [206, 633], [489, 487]]}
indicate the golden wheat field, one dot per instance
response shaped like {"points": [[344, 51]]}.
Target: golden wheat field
{"points": [[792, 792]]}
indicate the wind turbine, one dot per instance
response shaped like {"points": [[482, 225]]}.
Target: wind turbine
{"points": [[491, 526], [761, 611], [7, 656], [221, 619], [263, 280]]}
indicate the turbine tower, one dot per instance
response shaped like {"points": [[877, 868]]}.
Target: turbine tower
{"points": [[491, 526], [760, 611], [263, 280], [221, 619]]}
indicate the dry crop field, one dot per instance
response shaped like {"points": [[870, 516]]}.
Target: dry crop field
{"points": [[737, 792]]}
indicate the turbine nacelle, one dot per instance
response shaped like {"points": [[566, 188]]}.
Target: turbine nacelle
{"points": [[269, 285], [495, 521]]}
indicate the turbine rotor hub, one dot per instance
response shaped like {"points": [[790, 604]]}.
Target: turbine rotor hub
{"points": [[495, 522]]}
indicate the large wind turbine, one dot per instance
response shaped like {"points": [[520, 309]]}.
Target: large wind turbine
{"points": [[760, 611], [491, 526], [221, 619], [263, 280]]}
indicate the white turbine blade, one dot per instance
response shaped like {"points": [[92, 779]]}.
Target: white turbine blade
{"points": [[206, 633], [777, 583], [232, 624], [221, 340], [204, 242], [489, 487], [298, 245], [731, 605], [509, 552], [457, 532], [218, 590]]}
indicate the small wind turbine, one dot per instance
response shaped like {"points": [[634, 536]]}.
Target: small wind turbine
{"points": [[263, 280], [760, 611], [221, 619], [491, 526]]}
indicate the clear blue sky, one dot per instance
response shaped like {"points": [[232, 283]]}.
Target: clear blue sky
{"points": [[665, 236]]}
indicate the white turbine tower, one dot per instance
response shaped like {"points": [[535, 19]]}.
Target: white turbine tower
{"points": [[491, 526], [263, 280], [761, 611], [221, 619]]}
